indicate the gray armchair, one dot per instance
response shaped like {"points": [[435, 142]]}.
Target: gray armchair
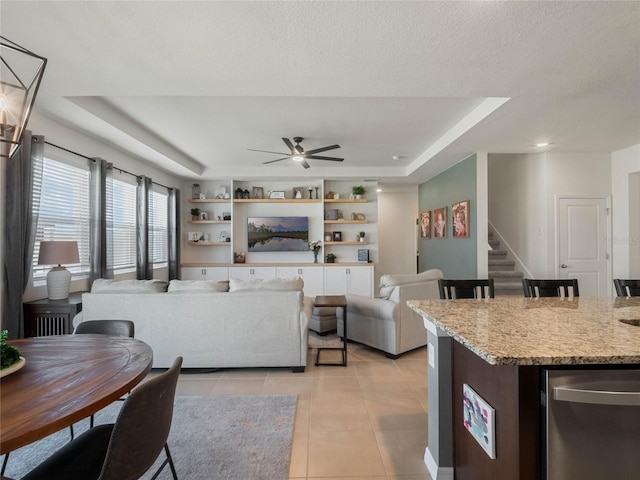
{"points": [[387, 323]]}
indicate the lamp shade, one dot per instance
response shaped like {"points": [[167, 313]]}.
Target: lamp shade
{"points": [[21, 72], [58, 253]]}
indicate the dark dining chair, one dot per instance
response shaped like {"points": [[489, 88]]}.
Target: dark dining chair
{"points": [[627, 288], [126, 449], [120, 328], [478, 288], [550, 288]]}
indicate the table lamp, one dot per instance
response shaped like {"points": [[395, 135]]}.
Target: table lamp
{"points": [[58, 278]]}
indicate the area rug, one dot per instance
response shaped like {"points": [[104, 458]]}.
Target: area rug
{"points": [[212, 437]]}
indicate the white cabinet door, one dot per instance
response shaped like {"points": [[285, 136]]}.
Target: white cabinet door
{"points": [[313, 278], [191, 273], [204, 273], [360, 280], [252, 273], [343, 280]]}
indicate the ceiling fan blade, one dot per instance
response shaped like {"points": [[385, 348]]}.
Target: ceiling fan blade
{"points": [[318, 157], [289, 144], [276, 160], [305, 164], [267, 151], [323, 149]]}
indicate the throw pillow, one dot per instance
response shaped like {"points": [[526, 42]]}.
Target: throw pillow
{"points": [[103, 285], [282, 284], [198, 286]]}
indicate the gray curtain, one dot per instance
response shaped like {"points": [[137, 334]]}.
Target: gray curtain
{"points": [[23, 178], [173, 231], [101, 231], [144, 268]]}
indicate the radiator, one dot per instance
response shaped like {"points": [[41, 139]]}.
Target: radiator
{"points": [[51, 325]]}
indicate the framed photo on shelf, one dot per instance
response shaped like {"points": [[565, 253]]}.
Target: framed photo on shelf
{"points": [[276, 194], [425, 224], [204, 216], [460, 219], [440, 222], [257, 192], [337, 236]]}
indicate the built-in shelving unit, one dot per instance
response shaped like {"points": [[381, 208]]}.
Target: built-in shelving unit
{"points": [[239, 209]]}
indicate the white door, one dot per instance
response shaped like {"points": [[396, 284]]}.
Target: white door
{"points": [[583, 244]]}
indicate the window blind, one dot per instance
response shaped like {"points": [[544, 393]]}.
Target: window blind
{"points": [[158, 227], [63, 213], [121, 214]]}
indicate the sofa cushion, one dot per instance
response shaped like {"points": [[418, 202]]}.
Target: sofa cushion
{"points": [[103, 285], [198, 286], [389, 282], [288, 284]]}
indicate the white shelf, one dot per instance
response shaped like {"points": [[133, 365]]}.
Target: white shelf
{"points": [[210, 221], [209, 244], [210, 200]]}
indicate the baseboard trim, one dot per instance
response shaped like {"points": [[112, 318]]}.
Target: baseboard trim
{"points": [[437, 473]]}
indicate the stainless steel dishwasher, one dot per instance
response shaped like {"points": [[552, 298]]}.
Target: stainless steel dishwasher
{"points": [[592, 424]]}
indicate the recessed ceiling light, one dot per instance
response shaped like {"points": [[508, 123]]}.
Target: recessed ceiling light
{"points": [[395, 157], [543, 144], [378, 190]]}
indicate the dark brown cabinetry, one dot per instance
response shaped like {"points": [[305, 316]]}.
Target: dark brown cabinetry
{"points": [[51, 317]]}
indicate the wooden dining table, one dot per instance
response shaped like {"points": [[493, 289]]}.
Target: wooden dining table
{"points": [[66, 378]]}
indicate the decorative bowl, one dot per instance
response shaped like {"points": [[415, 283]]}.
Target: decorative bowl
{"points": [[12, 368]]}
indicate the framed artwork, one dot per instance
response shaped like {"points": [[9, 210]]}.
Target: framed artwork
{"points": [[460, 219], [479, 420], [337, 236], [425, 224], [195, 236], [257, 192], [277, 194], [204, 216], [440, 222]]}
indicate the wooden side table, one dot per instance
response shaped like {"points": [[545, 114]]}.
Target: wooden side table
{"points": [[334, 301], [51, 317]]}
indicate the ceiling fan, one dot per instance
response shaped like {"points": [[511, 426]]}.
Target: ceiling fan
{"points": [[299, 155]]}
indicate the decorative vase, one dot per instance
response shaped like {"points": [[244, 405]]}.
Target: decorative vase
{"points": [[315, 256]]}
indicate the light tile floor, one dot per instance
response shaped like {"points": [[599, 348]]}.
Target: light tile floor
{"points": [[364, 421]]}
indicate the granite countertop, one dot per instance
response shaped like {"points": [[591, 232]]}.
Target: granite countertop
{"points": [[541, 331]]}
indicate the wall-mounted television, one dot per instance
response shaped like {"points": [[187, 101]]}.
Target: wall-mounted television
{"points": [[277, 234]]}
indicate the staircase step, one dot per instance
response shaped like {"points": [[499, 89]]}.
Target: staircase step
{"points": [[497, 253], [508, 288], [500, 264], [494, 243], [505, 274]]}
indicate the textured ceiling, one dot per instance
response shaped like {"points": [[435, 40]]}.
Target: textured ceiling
{"points": [[190, 86]]}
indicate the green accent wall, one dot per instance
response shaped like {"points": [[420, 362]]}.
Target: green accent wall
{"points": [[456, 257]]}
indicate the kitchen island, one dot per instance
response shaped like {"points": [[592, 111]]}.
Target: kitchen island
{"points": [[501, 349]]}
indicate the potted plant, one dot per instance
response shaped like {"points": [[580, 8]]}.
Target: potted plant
{"points": [[195, 214], [358, 191], [331, 258], [361, 234]]}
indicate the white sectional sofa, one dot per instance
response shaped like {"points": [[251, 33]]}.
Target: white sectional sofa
{"points": [[254, 324], [386, 322]]}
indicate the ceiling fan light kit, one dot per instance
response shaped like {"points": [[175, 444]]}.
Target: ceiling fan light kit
{"points": [[298, 154]]}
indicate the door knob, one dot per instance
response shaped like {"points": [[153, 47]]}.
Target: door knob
{"points": [[563, 266]]}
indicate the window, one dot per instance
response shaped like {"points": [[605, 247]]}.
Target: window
{"points": [[63, 212], [122, 217], [158, 228]]}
